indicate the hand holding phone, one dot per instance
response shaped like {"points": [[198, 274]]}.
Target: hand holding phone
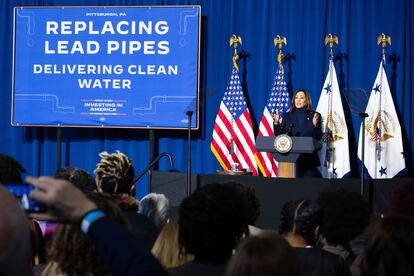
{"points": [[21, 192]]}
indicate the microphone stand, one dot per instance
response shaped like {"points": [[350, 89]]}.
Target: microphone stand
{"points": [[282, 128], [189, 114], [151, 165], [59, 148], [289, 130], [363, 115]]}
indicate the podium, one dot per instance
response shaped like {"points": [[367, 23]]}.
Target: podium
{"points": [[287, 161]]}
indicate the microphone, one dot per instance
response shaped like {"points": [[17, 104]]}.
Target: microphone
{"points": [[189, 112], [289, 131], [282, 127]]}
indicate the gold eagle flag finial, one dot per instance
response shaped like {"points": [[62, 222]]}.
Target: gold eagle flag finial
{"points": [[331, 39], [235, 40], [383, 39], [278, 41]]}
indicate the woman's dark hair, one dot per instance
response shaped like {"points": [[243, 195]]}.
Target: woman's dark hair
{"points": [[345, 214], [80, 178], [265, 254], [252, 202], [10, 170], [300, 217], [389, 248], [308, 102], [212, 220]]}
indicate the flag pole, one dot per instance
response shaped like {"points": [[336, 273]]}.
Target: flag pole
{"points": [[383, 40], [331, 39], [234, 40], [363, 115]]}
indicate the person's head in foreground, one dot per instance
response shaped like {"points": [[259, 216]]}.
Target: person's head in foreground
{"points": [[212, 221], [264, 254], [115, 173], [299, 222], [166, 248], [389, 248], [80, 178], [15, 243], [345, 214]]}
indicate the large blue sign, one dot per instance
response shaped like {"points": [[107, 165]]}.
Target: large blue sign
{"points": [[106, 66]]}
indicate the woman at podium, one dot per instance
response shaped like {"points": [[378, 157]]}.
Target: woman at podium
{"points": [[301, 120]]}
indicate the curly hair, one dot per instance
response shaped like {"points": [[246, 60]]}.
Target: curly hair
{"points": [[80, 178], [115, 173], [345, 214], [389, 247], [72, 251], [212, 220], [252, 202], [402, 199], [10, 170], [300, 217]]}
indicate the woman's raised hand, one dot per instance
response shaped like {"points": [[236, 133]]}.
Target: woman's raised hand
{"points": [[276, 117], [315, 119]]}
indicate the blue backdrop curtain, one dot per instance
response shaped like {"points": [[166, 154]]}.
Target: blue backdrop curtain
{"points": [[303, 23]]}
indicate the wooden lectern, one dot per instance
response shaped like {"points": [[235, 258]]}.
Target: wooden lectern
{"points": [[287, 161]]}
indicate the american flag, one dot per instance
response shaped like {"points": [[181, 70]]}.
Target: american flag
{"points": [[376, 134], [233, 138], [279, 101]]}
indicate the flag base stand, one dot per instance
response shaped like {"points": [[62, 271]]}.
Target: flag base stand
{"points": [[230, 172]]}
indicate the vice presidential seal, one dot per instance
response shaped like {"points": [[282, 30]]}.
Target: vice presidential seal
{"points": [[283, 143]]}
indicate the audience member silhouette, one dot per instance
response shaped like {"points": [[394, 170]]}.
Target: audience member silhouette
{"points": [[71, 253], [299, 224], [15, 244], [80, 178], [10, 170], [121, 252], [11, 174], [212, 221], [115, 176], [166, 248], [345, 215], [264, 254], [155, 207], [252, 204], [389, 248]]}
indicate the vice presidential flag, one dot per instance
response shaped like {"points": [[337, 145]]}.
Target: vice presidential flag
{"points": [[384, 154], [334, 155], [233, 138], [278, 100]]}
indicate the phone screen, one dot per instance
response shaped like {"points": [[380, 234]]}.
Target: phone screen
{"points": [[21, 192]]}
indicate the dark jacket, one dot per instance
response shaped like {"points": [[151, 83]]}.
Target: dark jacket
{"points": [[299, 123], [121, 251], [195, 268], [317, 262]]}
